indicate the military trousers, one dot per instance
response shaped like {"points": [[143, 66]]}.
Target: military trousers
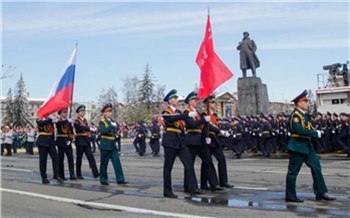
{"points": [[87, 150], [207, 164], [296, 160], [43, 152], [218, 153], [169, 159], [62, 150], [107, 155]]}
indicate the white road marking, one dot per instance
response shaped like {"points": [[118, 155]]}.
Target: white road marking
{"points": [[15, 169], [251, 188], [101, 205]]}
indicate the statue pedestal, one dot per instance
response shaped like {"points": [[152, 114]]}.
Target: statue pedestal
{"points": [[252, 96]]}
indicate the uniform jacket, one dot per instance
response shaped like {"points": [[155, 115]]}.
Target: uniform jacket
{"points": [[173, 136], [64, 133], [194, 127], [214, 131], [302, 132], [265, 129], [108, 132], [82, 132], [46, 136]]}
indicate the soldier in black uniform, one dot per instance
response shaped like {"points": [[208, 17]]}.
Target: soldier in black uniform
{"points": [[329, 132], [215, 145], [225, 126], [237, 132], [336, 126], [255, 133], [174, 145], [64, 144], [344, 133], [82, 143], [140, 138], [265, 135], [46, 145], [321, 125], [155, 136], [193, 140]]}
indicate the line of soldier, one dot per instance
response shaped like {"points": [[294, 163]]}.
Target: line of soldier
{"points": [[268, 135], [47, 145], [13, 138]]}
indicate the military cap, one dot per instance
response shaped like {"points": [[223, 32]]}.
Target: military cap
{"points": [[270, 115], [335, 114], [80, 108], [343, 114], [140, 122], [107, 107], [171, 94], [329, 113], [192, 95], [63, 110], [301, 96], [211, 98], [154, 121], [319, 114], [235, 118], [240, 117]]}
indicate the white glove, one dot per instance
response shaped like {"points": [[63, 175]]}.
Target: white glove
{"points": [[140, 135], [319, 134], [114, 124], [207, 118], [226, 134], [70, 120], [253, 134], [333, 131], [208, 140], [152, 137], [273, 133], [260, 134], [68, 143], [192, 114], [54, 120], [322, 132], [288, 133], [234, 136]]}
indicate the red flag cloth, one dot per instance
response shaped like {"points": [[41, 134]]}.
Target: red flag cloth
{"points": [[213, 71]]}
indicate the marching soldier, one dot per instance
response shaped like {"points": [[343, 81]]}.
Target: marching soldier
{"points": [[214, 144], [237, 133], [30, 139], [344, 133], [193, 140], [46, 145], [108, 147], [82, 142], [140, 138], [329, 132], [174, 145], [155, 136], [336, 126], [322, 127], [265, 136], [64, 144], [301, 151]]}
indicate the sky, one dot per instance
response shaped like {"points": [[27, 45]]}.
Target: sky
{"points": [[295, 39]]}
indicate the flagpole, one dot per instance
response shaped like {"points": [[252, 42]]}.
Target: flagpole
{"points": [[209, 95], [71, 101]]}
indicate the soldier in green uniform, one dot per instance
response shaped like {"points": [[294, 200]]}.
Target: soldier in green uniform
{"points": [[108, 147], [301, 151]]}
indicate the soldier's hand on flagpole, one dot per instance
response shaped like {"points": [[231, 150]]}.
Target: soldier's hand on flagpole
{"points": [[208, 140], [207, 118], [192, 114]]}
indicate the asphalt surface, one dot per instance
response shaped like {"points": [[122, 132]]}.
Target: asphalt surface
{"points": [[258, 192]]}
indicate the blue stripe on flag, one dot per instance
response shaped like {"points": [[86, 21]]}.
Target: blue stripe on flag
{"points": [[67, 78]]}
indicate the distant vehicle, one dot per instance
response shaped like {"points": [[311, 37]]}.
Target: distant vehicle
{"points": [[333, 93]]}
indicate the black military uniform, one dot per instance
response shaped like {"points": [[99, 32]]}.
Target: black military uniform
{"points": [[64, 144], [193, 140], [215, 147], [140, 138], [82, 142], [237, 136], [265, 134], [344, 133], [155, 136], [46, 145], [174, 145]]}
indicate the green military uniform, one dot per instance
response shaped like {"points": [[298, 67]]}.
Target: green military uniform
{"points": [[109, 151], [301, 150]]}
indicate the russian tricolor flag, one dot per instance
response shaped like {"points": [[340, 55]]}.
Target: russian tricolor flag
{"points": [[61, 93]]}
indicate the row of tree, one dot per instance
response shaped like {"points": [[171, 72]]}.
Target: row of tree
{"points": [[138, 102]]}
